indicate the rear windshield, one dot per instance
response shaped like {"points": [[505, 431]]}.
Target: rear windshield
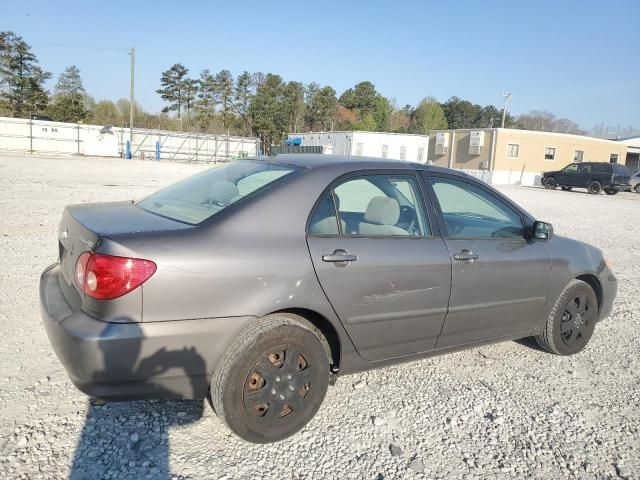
{"points": [[199, 197]]}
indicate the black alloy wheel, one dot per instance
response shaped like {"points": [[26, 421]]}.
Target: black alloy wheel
{"points": [[594, 187]]}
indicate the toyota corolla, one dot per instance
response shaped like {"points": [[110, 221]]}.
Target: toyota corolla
{"points": [[259, 282]]}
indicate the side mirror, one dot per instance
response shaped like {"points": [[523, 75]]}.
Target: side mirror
{"points": [[542, 231]]}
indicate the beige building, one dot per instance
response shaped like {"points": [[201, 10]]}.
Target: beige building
{"points": [[508, 156]]}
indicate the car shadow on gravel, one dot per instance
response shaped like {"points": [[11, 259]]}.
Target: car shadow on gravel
{"points": [[531, 343], [130, 439]]}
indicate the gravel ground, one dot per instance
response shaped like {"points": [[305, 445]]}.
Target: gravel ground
{"points": [[502, 411]]}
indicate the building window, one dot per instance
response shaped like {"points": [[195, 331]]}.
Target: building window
{"points": [[549, 153], [513, 150], [613, 158], [385, 151], [421, 154], [403, 152], [578, 155], [359, 147]]}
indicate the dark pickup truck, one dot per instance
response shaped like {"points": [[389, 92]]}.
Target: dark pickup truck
{"points": [[594, 176]]}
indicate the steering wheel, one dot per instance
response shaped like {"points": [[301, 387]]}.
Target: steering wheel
{"points": [[407, 218]]}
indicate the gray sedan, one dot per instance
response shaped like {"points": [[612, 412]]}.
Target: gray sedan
{"points": [[257, 283]]}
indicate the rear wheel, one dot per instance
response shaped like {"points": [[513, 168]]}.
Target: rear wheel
{"points": [[271, 380], [566, 189], [594, 187], [571, 321], [550, 183], [611, 191]]}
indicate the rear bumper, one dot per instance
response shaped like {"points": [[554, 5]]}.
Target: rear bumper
{"points": [[621, 187], [120, 361]]}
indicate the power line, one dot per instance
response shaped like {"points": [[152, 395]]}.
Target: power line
{"points": [[86, 47]]}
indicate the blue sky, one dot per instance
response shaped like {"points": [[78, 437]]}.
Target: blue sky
{"points": [[578, 59]]}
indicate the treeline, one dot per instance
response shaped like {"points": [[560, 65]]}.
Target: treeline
{"points": [[270, 107], [257, 104]]}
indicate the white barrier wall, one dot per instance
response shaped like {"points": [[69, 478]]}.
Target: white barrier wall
{"points": [[507, 177], [39, 136]]}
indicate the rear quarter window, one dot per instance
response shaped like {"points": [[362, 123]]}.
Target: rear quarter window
{"points": [[620, 169]]}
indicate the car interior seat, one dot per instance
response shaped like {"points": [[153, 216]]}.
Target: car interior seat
{"points": [[381, 217], [223, 193]]}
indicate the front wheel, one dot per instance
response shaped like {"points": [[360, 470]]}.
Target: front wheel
{"points": [[572, 320], [594, 187], [271, 380], [611, 191], [550, 183], [637, 188]]}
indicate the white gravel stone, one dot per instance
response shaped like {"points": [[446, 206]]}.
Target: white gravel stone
{"points": [[416, 465], [378, 421], [556, 424]]}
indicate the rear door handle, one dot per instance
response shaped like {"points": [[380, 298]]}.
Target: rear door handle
{"points": [[466, 256], [339, 256]]}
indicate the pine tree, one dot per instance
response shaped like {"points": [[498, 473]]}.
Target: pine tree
{"points": [[22, 91], [174, 88], [69, 97]]}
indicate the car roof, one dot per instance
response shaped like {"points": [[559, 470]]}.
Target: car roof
{"points": [[321, 161]]}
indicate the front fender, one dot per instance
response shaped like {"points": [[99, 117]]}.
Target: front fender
{"points": [[572, 259]]}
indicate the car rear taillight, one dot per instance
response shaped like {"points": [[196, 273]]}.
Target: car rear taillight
{"points": [[106, 277]]}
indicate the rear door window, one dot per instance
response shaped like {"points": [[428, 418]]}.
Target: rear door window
{"points": [[372, 205]]}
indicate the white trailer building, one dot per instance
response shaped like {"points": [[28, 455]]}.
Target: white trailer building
{"points": [[399, 146]]}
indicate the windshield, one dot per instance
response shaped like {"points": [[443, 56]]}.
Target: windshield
{"points": [[199, 197]]}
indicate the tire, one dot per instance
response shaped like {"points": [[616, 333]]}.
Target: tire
{"points": [[611, 191], [637, 188], [594, 187], [571, 321], [550, 183], [566, 189], [276, 354]]}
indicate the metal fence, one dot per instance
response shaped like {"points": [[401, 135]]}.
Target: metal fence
{"points": [[38, 136]]}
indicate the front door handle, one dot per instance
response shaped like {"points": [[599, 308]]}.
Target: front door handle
{"points": [[466, 256], [339, 256]]}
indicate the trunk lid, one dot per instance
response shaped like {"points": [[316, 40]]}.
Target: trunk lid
{"points": [[84, 227]]}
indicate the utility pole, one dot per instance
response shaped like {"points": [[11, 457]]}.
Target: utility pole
{"points": [[132, 52], [507, 97]]}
